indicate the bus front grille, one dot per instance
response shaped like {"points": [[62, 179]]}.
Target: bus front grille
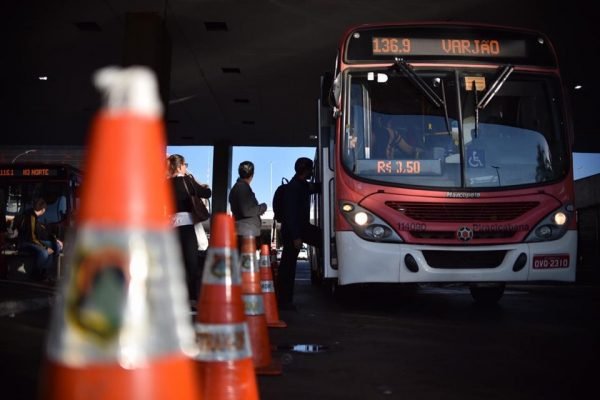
{"points": [[479, 212]]}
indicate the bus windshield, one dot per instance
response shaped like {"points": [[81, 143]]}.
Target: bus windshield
{"points": [[397, 135]]}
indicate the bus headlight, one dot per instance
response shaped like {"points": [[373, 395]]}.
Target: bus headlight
{"points": [[553, 227], [560, 218], [367, 225], [361, 218], [378, 232], [544, 231]]}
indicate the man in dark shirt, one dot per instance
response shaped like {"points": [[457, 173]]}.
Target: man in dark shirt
{"points": [[244, 206], [34, 238], [296, 229]]}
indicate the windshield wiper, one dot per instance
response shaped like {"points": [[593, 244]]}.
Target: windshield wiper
{"points": [[474, 88], [506, 71], [489, 95], [403, 66], [445, 108], [418, 82]]}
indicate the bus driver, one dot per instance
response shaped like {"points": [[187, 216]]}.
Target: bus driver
{"points": [[400, 142]]}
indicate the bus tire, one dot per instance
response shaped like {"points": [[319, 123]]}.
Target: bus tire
{"points": [[487, 294], [316, 267]]}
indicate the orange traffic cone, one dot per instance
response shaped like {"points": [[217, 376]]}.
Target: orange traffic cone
{"points": [[268, 289], [225, 358], [119, 330], [255, 310]]}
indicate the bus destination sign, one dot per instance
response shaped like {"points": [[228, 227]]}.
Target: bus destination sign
{"points": [[27, 172], [402, 46]]}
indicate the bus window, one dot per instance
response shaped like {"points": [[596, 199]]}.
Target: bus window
{"points": [[516, 141], [394, 134]]}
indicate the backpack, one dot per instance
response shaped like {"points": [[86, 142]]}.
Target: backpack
{"points": [[278, 199]]}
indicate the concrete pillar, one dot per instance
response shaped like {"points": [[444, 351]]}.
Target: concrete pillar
{"points": [[222, 155]]}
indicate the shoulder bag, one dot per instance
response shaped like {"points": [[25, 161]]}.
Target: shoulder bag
{"points": [[199, 211]]}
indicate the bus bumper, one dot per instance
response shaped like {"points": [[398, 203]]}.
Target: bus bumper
{"points": [[364, 261]]}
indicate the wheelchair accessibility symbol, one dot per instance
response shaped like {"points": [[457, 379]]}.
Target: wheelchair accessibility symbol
{"points": [[476, 158]]}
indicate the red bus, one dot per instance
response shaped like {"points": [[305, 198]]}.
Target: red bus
{"points": [[20, 185], [445, 156]]}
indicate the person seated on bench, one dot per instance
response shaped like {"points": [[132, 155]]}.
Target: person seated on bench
{"points": [[56, 210], [34, 238], [3, 224]]}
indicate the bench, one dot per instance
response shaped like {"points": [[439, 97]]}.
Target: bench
{"points": [[18, 264]]}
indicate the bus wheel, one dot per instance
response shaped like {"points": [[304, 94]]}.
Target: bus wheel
{"points": [[488, 294]]}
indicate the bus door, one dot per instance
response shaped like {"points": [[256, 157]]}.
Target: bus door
{"points": [[324, 263]]}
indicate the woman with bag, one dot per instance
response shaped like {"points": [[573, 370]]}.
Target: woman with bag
{"points": [[188, 195]]}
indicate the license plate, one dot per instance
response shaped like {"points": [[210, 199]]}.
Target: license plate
{"points": [[551, 261]]}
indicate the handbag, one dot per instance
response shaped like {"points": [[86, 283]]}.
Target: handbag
{"points": [[199, 211]]}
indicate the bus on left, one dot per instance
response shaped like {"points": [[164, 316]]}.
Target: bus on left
{"points": [[20, 185]]}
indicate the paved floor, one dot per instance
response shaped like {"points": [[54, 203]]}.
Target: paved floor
{"points": [[539, 342]]}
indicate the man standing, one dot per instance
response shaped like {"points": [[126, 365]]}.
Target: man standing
{"points": [[244, 206], [295, 229]]}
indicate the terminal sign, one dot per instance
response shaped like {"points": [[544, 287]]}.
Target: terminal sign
{"points": [[28, 172], [398, 46]]}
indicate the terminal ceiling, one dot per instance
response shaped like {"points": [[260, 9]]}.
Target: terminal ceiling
{"points": [[243, 72]]}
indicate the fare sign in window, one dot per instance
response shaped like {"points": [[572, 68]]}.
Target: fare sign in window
{"points": [[398, 167]]}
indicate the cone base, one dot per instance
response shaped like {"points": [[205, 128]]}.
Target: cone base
{"points": [[228, 380], [165, 378], [259, 340], [272, 369], [271, 312], [277, 324]]}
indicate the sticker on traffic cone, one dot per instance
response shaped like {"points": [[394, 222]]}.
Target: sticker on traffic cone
{"points": [[268, 289], [255, 310], [120, 329], [225, 356]]}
